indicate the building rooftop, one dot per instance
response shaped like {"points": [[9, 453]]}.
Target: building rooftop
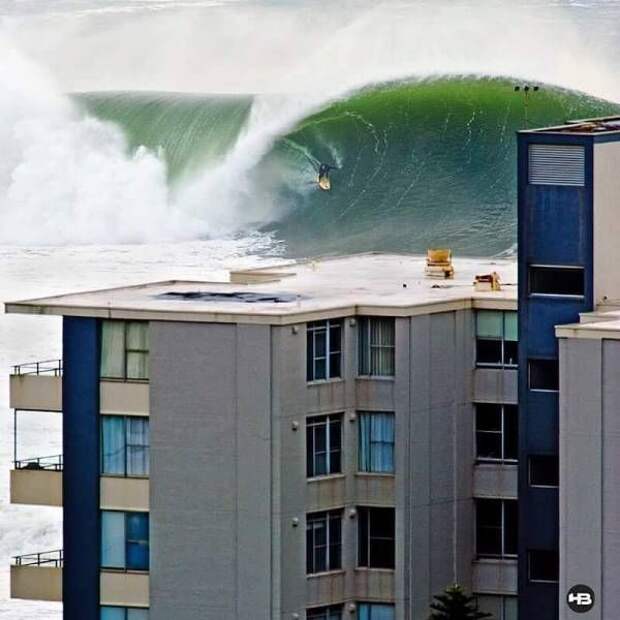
{"points": [[593, 126], [374, 283]]}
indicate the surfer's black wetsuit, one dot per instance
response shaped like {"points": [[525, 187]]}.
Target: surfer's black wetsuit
{"points": [[324, 171]]}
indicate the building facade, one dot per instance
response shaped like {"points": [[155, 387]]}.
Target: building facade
{"points": [[345, 448]]}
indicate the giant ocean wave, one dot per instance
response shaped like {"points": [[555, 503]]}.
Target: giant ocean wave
{"points": [[419, 163]]}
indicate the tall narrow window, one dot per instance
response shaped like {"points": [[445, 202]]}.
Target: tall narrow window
{"points": [[124, 445], [125, 540], [543, 565], [124, 350], [323, 541], [123, 613], [324, 350], [376, 537], [496, 528], [497, 434], [324, 445], [544, 375], [376, 442], [496, 338], [375, 611], [376, 346], [332, 612]]}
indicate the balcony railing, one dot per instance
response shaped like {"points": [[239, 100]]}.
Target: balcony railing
{"points": [[46, 367], [44, 558], [47, 463]]}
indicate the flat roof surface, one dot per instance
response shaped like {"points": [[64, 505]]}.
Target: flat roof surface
{"points": [[596, 325], [590, 126], [388, 284]]}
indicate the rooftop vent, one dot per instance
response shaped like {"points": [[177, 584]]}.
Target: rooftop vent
{"points": [[439, 264], [243, 297]]}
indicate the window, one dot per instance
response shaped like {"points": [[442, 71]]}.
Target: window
{"points": [[125, 540], [544, 375], [124, 446], [124, 613], [557, 281], [376, 537], [543, 565], [496, 528], [497, 338], [333, 612], [497, 432], [324, 350], [375, 611], [324, 445], [376, 347], [500, 607], [544, 471], [125, 350], [323, 541], [376, 442]]}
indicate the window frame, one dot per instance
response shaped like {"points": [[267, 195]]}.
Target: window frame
{"points": [[332, 564], [365, 512], [503, 555], [123, 608], [370, 414], [127, 542], [312, 329], [502, 433], [327, 420], [364, 325], [502, 340], [127, 351], [574, 268], [125, 473]]}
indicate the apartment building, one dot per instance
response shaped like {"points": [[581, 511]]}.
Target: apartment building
{"points": [[323, 440]]}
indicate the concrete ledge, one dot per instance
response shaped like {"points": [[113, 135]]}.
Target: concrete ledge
{"points": [[374, 393], [496, 480], [35, 392], [374, 585], [36, 583], [325, 493], [495, 576], [124, 589], [124, 493], [325, 589], [124, 398], [374, 489], [38, 487]]}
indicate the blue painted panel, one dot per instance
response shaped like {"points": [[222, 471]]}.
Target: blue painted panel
{"points": [[81, 468], [542, 431]]}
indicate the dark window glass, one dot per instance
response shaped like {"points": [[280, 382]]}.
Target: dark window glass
{"points": [[496, 432], [488, 351], [323, 350], [333, 612], [323, 541], [496, 527], [543, 565], [544, 374], [557, 281], [324, 445], [496, 338], [511, 353], [376, 537], [544, 471]]}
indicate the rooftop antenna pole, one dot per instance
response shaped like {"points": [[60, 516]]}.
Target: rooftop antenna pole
{"points": [[527, 90]]}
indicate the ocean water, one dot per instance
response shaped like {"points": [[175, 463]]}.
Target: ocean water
{"points": [[151, 139]]}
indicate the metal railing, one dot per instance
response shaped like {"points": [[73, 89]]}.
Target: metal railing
{"points": [[44, 558], [47, 463], [45, 367]]}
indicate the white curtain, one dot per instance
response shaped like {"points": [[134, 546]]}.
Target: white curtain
{"points": [[376, 442], [113, 349], [112, 539], [113, 445], [137, 446]]}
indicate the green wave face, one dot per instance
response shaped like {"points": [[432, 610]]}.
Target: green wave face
{"points": [[420, 164]]}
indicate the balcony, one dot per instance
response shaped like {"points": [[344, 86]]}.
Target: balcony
{"points": [[36, 386], [38, 576], [37, 481]]}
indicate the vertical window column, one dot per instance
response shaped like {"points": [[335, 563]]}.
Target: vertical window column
{"points": [[324, 350], [125, 350], [323, 541], [124, 445], [496, 528], [496, 338], [376, 537], [324, 445], [125, 540], [376, 347], [376, 442]]}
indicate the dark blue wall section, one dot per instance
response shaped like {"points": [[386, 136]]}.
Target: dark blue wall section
{"points": [[555, 228], [80, 387]]}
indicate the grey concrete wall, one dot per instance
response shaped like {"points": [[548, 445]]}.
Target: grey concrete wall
{"points": [[211, 461]]}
